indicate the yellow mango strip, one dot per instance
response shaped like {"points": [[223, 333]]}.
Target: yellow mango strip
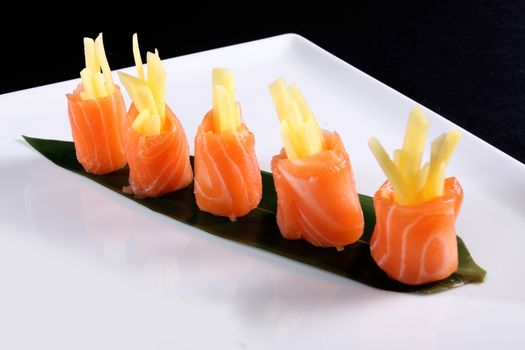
{"points": [[413, 146], [216, 120], [287, 141], [88, 84], [439, 185], [148, 94], [140, 93], [292, 131], [157, 82], [96, 85], [314, 131], [222, 109], [422, 177], [436, 158], [402, 194], [90, 55], [223, 77], [397, 158], [295, 93], [313, 136], [299, 129], [295, 126], [226, 113], [147, 124], [103, 62], [137, 58], [412, 183], [442, 149], [279, 93], [453, 137], [98, 82]]}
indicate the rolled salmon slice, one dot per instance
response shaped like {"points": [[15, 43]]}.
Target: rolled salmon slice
{"points": [[158, 164], [227, 175], [416, 244], [316, 196], [97, 126]]}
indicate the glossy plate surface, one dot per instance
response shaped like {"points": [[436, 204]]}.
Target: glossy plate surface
{"points": [[84, 268]]}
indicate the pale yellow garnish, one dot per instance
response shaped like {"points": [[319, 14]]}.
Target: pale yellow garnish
{"points": [[452, 140], [90, 55], [140, 93], [442, 149], [422, 177], [299, 130], [226, 113], [137, 58], [287, 140], [157, 82], [148, 94], [88, 84], [147, 124], [96, 84], [397, 157], [412, 183], [401, 193], [413, 147], [224, 78], [103, 61]]}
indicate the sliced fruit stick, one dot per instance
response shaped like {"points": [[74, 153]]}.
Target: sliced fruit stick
{"points": [[139, 92], [147, 124], [413, 146], [137, 58], [157, 83], [103, 62], [87, 83], [401, 192]]}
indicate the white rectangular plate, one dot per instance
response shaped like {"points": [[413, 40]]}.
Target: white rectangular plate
{"points": [[84, 268]]}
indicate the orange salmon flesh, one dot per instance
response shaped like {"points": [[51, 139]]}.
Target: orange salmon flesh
{"points": [[417, 244], [227, 175], [98, 131], [157, 164], [317, 198]]}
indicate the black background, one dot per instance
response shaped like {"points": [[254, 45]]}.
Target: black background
{"points": [[464, 59]]}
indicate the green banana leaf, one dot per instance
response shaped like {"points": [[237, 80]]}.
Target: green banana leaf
{"points": [[259, 228]]}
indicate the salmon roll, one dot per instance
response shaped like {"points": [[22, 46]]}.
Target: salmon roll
{"points": [[414, 240], [316, 193], [155, 142], [417, 244], [158, 164], [96, 114], [227, 175]]}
